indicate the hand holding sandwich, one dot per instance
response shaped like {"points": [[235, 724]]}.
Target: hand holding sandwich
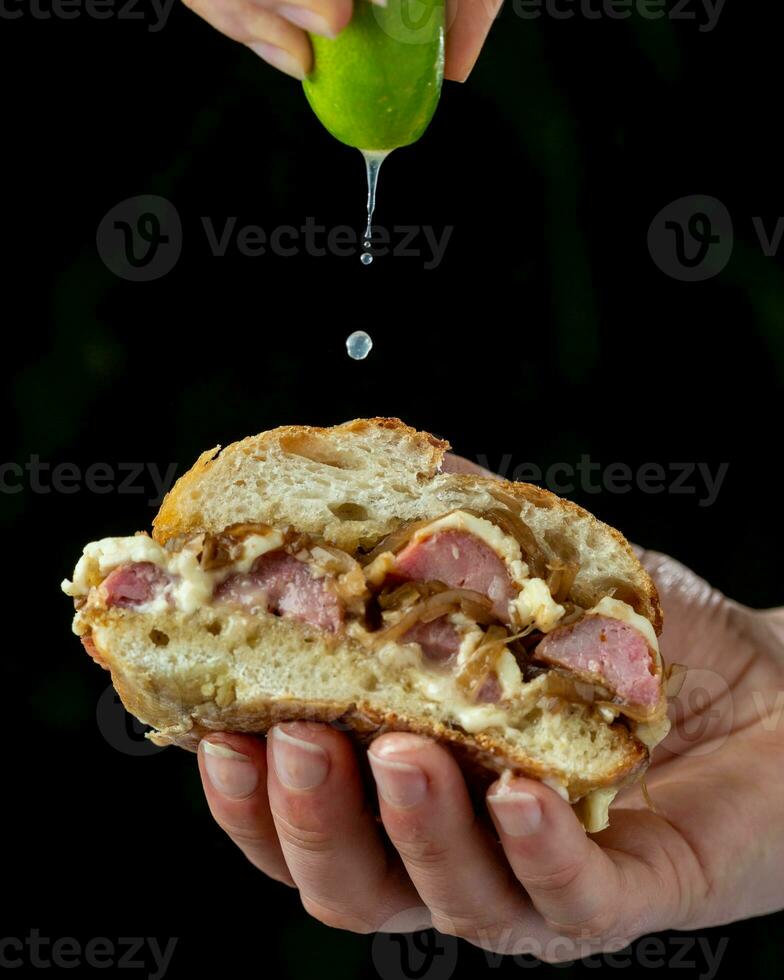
{"points": [[711, 854], [460, 629]]}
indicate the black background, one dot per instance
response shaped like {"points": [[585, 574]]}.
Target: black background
{"points": [[546, 333]]}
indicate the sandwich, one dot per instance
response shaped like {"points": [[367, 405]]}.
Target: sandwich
{"points": [[341, 575]]}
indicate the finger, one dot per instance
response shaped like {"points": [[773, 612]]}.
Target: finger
{"points": [[234, 774], [328, 835], [459, 464], [468, 26], [276, 32], [327, 18], [456, 866], [595, 896]]}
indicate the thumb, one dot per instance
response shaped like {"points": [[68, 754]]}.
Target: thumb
{"points": [[594, 896], [468, 24]]}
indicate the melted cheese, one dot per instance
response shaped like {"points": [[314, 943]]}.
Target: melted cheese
{"points": [[509, 676], [254, 546], [379, 568], [478, 717], [193, 585], [100, 557], [535, 606], [617, 609], [650, 733]]}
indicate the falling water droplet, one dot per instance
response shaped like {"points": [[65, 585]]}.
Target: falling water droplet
{"points": [[373, 161], [359, 344]]}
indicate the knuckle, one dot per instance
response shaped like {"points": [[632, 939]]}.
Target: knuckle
{"points": [[309, 841], [596, 928], [336, 918], [422, 853], [445, 924], [479, 930], [245, 836], [556, 880]]}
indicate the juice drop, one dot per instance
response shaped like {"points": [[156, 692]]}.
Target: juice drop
{"points": [[373, 161], [359, 344]]}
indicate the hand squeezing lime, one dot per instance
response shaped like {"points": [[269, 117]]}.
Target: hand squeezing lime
{"points": [[376, 86]]}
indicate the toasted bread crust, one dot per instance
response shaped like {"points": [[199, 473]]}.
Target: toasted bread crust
{"points": [[480, 754], [175, 517], [172, 701], [183, 510]]}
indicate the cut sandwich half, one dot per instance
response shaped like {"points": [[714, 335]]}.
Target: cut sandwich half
{"points": [[339, 575]]}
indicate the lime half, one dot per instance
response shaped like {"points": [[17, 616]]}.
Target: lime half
{"points": [[376, 86]]}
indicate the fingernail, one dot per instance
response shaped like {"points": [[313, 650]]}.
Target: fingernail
{"points": [[308, 20], [278, 58], [519, 814], [231, 773], [298, 764], [399, 783]]}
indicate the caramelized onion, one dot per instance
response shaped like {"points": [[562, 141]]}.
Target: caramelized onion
{"points": [[395, 540], [216, 552], [337, 561], [510, 502], [560, 684], [563, 684], [638, 714], [647, 796], [408, 593], [219, 550], [675, 675], [561, 579], [481, 663], [244, 529], [450, 600]]}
